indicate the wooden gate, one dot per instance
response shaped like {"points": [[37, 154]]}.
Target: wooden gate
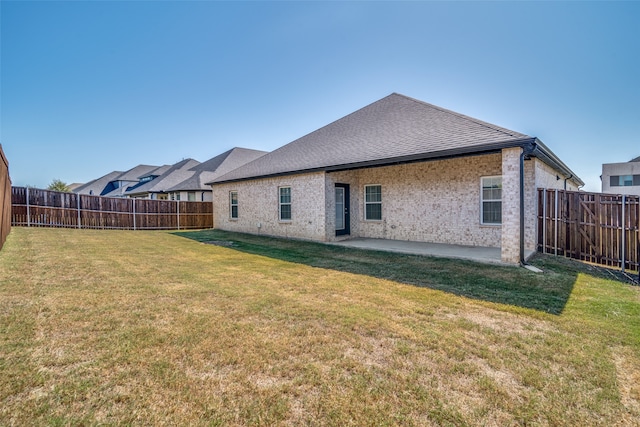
{"points": [[593, 227]]}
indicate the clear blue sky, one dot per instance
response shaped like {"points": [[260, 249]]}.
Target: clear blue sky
{"points": [[92, 87]]}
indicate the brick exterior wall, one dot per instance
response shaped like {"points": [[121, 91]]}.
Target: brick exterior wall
{"points": [[435, 201], [510, 242], [258, 203]]}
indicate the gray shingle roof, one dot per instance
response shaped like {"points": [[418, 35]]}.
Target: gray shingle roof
{"points": [[223, 163], [395, 128], [96, 186], [637, 159], [175, 174], [134, 173], [101, 187]]}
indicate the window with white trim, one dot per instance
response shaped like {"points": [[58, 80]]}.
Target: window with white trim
{"points": [[491, 200], [233, 204], [284, 208], [191, 196], [373, 202]]}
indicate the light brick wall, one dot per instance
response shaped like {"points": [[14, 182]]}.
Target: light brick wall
{"points": [[510, 242], [436, 201], [547, 177], [258, 202]]}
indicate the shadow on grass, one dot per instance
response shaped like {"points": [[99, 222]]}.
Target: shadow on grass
{"points": [[546, 292]]}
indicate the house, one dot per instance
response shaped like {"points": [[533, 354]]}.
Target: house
{"points": [[621, 178], [114, 183], [154, 186], [398, 169], [195, 187]]}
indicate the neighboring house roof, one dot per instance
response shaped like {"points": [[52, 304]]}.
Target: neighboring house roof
{"points": [[134, 173], [117, 186], [156, 172], [223, 163], [174, 175], [96, 186], [395, 129], [637, 159]]}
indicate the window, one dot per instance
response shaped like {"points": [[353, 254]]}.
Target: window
{"points": [[285, 203], [624, 180], [191, 196], [373, 202], [233, 204], [491, 200]]}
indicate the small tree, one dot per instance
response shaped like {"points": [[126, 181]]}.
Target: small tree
{"points": [[58, 185]]}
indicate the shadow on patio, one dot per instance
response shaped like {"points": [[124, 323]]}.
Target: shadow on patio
{"points": [[547, 292]]}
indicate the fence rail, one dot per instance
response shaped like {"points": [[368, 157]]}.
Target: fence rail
{"points": [[599, 228], [43, 208], [5, 198]]}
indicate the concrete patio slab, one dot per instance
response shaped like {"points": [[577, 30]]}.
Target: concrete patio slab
{"points": [[473, 253]]}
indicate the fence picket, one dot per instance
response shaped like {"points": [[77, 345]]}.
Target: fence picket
{"points": [[599, 228], [46, 208]]}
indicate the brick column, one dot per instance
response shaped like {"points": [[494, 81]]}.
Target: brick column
{"points": [[510, 235]]}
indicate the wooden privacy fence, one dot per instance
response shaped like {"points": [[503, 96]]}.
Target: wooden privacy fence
{"points": [[43, 208], [5, 198], [593, 227]]}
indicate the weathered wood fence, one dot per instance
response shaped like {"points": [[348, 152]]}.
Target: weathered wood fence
{"points": [[5, 198], [599, 228], [43, 208]]}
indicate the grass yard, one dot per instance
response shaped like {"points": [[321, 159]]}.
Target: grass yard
{"points": [[139, 328]]}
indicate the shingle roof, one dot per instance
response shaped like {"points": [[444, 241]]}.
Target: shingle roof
{"points": [[637, 159], [395, 128], [223, 163], [96, 186], [156, 172], [175, 174], [134, 173]]}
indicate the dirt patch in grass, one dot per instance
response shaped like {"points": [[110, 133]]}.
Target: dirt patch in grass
{"points": [[628, 376]]}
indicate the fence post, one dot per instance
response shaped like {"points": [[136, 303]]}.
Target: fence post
{"points": [[133, 209], [544, 220], [79, 220], [178, 204], [555, 239], [28, 211], [623, 223]]}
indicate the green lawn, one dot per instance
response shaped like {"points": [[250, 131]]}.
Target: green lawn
{"points": [[131, 328]]}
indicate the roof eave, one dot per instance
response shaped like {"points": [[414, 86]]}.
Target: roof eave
{"points": [[543, 153], [437, 155]]}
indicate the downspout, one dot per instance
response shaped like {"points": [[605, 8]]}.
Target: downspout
{"points": [[565, 181]]}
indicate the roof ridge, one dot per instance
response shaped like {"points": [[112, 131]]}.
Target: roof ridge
{"points": [[506, 131]]}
